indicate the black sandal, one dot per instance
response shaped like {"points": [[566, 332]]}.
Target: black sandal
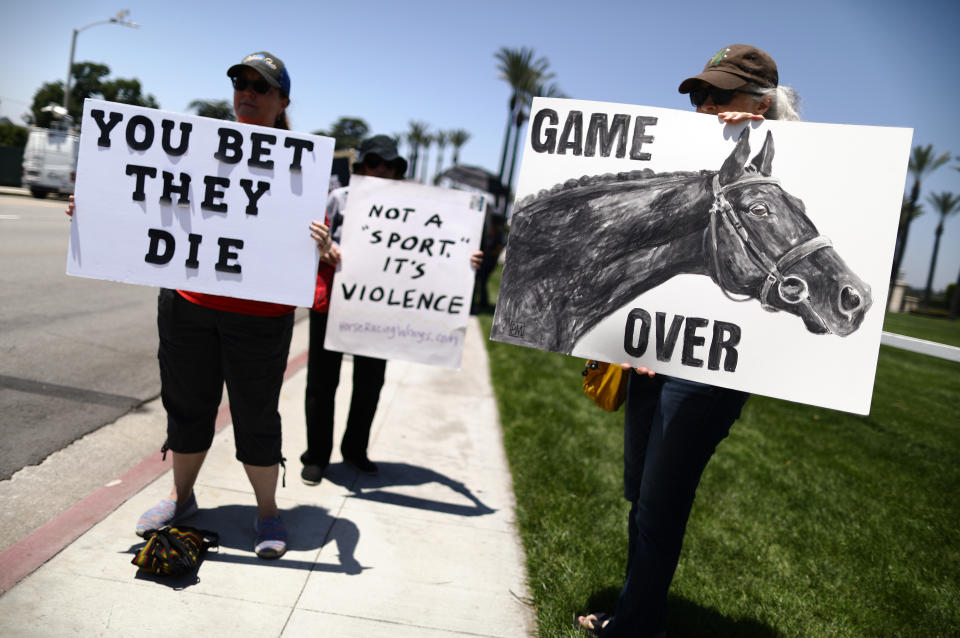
{"points": [[600, 621]]}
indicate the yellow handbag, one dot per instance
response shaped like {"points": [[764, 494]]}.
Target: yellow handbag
{"points": [[606, 384]]}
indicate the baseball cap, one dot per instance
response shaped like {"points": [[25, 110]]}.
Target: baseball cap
{"points": [[735, 66], [272, 68], [383, 146]]}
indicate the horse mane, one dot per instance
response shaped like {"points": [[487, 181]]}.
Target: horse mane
{"points": [[602, 234], [645, 175]]}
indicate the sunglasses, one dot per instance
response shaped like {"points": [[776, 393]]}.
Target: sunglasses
{"points": [[719, 96], [259, 85], [373, 161]]}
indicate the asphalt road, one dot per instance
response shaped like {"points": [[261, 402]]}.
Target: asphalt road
{"points": [[75, 354]]}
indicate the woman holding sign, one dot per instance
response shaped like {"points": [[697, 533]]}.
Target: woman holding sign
{"points": [[206, 340], [673, 426], [378, 158]]}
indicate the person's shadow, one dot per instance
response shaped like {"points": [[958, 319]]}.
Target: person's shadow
{"points": [[308, 527], [688, 619], [373, 488]]}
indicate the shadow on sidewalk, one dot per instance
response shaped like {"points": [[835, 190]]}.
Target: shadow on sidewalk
{"points": [[371, 488], [309, 528]]}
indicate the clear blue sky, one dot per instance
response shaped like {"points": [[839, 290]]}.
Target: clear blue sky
{"points": [[874, 62]]}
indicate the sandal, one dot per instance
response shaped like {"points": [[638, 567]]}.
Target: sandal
{"points": [[600, 620]]}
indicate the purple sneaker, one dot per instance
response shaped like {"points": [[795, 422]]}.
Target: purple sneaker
{"points": [[271, 537], [166, 512]]}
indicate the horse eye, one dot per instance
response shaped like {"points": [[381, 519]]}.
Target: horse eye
{"points": [[757, 209]]}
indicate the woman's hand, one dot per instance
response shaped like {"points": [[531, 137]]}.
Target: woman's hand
{"points": [[321, 234], [732, 117], [332, 255], [70, 208], [641, 370], [475, 259]]}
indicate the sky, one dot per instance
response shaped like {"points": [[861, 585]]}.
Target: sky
{"points": [[864, 62]]}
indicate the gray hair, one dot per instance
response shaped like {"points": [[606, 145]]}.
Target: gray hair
{"points": [[785, 105]]}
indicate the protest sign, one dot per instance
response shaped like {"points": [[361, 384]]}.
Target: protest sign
{"points": [[403, 287], [638, 232], [210, 206]]}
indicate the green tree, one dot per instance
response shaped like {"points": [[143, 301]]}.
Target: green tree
{"points": [[347, 131], [416, 135], [217, 109], [522, 72], [442, 138], [458, 137], [946, 204], [425, 143], [548, 90], [13, 135], [528, 78], [89, 80], [922, 162]]}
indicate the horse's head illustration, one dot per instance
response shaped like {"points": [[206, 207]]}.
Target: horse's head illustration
{"points": [[586, 247], [761, 243]]}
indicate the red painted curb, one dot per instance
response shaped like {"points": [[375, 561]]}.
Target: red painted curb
{"points": [[23, 557]]}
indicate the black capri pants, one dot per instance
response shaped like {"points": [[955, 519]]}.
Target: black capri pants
{"points": [[200, 348]]}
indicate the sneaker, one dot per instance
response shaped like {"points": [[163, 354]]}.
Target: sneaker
{"points": [[312, 474], [271, 537], [363, 464], [166, 512]]}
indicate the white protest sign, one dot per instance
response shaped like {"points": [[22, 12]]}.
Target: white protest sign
{"points": [[210, 206], [404, 284], [753, 256]]}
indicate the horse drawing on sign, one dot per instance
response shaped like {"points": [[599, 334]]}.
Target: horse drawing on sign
{"points": [[587, 247]]}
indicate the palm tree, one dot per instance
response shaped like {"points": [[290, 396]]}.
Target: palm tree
{"points": [[946, 204], [458, 137], [441, 138], [540, 90], [427, 140], [415, 136], [522, 72], [922, 162]]}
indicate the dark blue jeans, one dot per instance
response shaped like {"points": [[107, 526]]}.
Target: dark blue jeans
{"points": [[671, 430]]}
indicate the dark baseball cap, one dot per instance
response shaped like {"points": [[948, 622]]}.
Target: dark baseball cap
{"points": [[383, 146], [735, 66], [272, 68]]}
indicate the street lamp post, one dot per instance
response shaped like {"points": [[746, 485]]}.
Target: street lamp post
{"points": [[120, 18]]}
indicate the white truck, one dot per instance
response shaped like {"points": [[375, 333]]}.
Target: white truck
{"points": [[50, 161]]}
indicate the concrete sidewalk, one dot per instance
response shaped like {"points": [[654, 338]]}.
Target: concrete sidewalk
{"points": [[427, 548]]}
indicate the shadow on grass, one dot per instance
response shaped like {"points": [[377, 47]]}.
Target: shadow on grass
{"points": [[691, 620]]}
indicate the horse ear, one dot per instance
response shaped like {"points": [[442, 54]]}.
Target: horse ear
{"points": [[733, 166], [764, 159]]}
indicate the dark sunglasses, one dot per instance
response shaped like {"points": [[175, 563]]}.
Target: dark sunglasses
{"points": [[259, 85], [372, 161], [719, 96]]}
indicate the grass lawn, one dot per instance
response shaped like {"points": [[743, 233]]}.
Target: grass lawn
{"points": [[920, 327], [808, 522]]}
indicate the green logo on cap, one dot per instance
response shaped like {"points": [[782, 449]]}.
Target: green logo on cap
{"points": [[715, 60]]}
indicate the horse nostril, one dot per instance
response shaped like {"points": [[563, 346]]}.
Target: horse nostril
{"points": [[850, 299]]}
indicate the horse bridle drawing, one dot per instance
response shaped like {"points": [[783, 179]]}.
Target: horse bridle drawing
{"points": [[791, 288]]}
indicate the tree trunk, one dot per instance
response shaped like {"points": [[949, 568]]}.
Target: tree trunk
{"points": [[955, 302], [933, 264], [506, 137], [516, 145]]}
